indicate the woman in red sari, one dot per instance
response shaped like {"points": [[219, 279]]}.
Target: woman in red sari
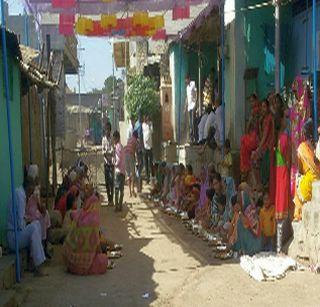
{"points": [[282, 155], [250, 141]]}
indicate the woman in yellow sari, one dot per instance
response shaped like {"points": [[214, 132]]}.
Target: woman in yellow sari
{"points": [[309, 169]]}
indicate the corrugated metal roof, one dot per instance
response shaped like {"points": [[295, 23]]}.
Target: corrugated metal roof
{"points": [[12, 44], [199, 20]]}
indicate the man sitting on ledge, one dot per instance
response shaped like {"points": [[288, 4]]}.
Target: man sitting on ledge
{"points": [[29, 236]]}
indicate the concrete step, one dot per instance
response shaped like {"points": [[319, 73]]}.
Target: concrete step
{"points": [[7, 298], [14, 297], [7, 272]]}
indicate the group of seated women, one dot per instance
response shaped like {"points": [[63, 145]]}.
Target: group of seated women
{"points": [[254, 216], [86, 250]]}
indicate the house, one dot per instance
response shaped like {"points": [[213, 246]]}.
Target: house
{"points": [[14, 55], [249, 59]]}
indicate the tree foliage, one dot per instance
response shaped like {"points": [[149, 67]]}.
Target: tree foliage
{"points": [[141, 96], [108, 86]]}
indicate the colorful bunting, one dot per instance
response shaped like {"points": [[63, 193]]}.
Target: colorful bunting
{"points": [[66, 24], [63, 4]]}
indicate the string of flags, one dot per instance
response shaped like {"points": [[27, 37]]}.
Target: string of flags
{"points": [[140, 24]]}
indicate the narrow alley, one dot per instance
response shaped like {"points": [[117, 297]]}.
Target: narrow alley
{"points": [[164, 265]]}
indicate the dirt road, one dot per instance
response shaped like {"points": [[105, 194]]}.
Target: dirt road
{"points": [[168, 264]]}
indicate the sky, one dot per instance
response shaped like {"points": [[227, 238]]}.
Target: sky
{"points": [[95, 58]]}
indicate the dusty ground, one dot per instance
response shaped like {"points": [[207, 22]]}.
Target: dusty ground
{"points": [[163, 259]]}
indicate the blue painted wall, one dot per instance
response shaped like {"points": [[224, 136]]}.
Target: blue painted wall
{"points": [[301, 43]]}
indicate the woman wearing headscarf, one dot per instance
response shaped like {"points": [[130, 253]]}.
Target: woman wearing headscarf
{"points": [[248, 233], [299, 114], [309, 169], [82, 247]]}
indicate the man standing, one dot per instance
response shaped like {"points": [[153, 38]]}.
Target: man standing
{"points": [[138, 128], [190, 105], [147, 129], [28, 235], [202, 125], [107, 150], [218, 124]]}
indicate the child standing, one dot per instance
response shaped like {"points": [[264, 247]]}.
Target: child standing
{"points": [[225, 166], [130, 152], [267, 224], [119, 166]]}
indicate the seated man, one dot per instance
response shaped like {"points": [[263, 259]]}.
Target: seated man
{"points": [[28, 235]]}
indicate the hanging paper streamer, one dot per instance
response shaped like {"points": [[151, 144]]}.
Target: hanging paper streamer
{"points": [[108, 21], [160, 35], [66, 24], [181, 12], [140, 24], [84, 26], [140, 19], [156, 22], [63, 4]]}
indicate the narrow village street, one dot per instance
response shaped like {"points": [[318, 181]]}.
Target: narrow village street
{"points": [[159, 153], [170, 266]]}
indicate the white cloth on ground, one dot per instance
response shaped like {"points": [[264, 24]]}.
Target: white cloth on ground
{"points": [[267, 266]]}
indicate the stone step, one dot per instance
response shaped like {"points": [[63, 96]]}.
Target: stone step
{"points": [[7, 298], [7, 272], [14, 297]]}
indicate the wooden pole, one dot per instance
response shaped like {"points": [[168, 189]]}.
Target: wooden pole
{"points": [[277, 46]]}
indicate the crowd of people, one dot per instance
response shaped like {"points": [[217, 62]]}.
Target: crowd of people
{"points": [[75, 218], [279, 161], [74, 221], [135, 157]]}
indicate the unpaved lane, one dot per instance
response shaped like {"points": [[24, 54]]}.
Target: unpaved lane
{"points": [[164, 260]]}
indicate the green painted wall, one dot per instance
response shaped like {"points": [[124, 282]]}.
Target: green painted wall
{"points": [[5, 188], [258, 34], [180, 71], [186, 62]]}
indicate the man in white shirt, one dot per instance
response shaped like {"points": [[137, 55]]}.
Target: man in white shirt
{"points": [[202, 124], [147, 129], [209, 123], [191, 104], [218, 124], [107, 150], [29, 236]]}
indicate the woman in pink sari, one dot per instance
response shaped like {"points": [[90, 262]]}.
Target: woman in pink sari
{"points": [[82, 247], [299, 114], [37, 212]]}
